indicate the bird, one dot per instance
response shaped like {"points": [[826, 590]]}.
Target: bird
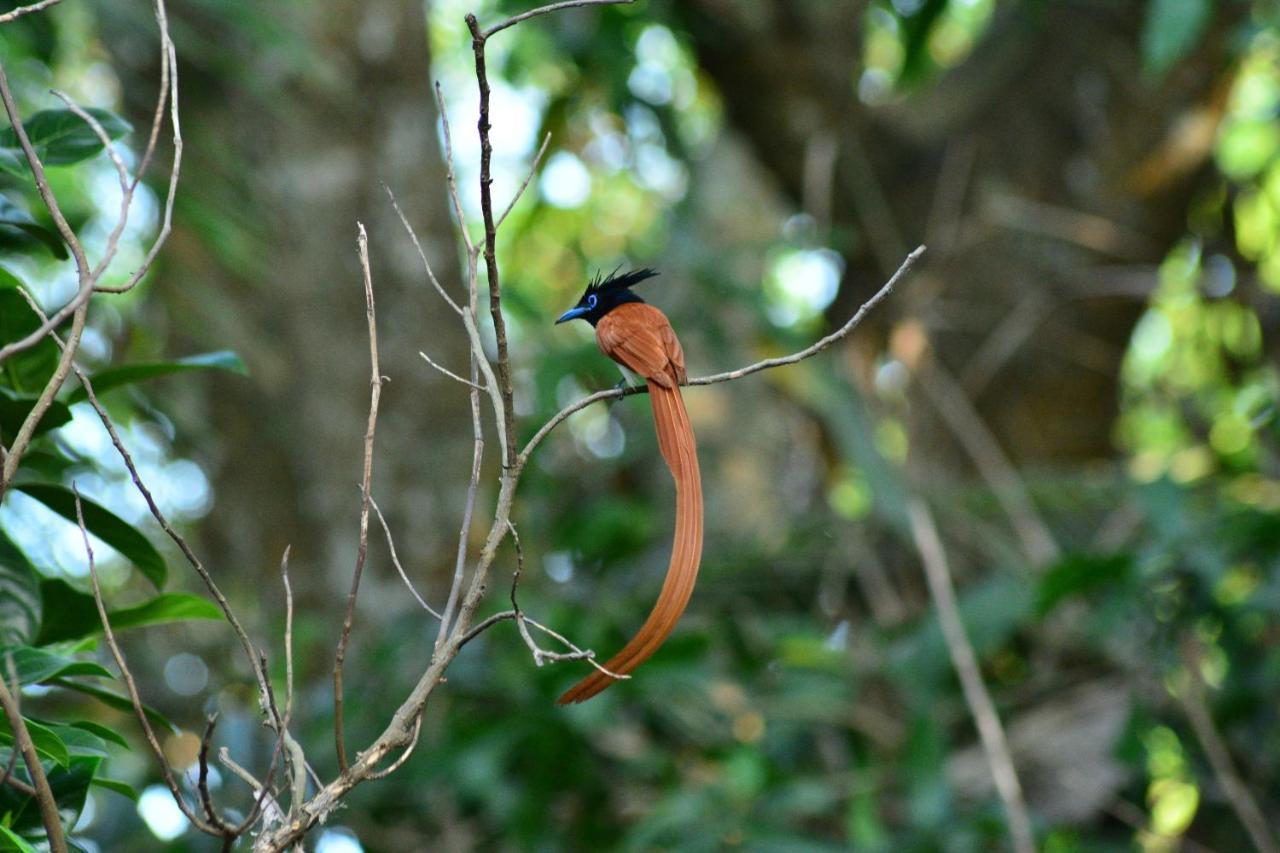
{"points": [[639, 338]]}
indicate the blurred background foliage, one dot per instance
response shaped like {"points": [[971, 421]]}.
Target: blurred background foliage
{"points": [[1081, 381]]}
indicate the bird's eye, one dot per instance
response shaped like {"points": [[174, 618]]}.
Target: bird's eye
{"points": [[591, 301]]}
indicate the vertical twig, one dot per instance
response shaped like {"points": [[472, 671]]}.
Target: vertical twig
{"points": [[375, 392], [965, 662], [507, 427], [131, 685], [23, 743]]}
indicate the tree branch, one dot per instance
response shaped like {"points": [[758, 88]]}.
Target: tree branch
{"points": [[990, 732], [23, 743], [375, 393]]}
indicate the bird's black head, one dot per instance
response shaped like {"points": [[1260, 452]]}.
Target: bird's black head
{"points": [[604, 294]]}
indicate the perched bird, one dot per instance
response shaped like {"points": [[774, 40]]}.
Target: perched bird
{"points": [[639, 337]]}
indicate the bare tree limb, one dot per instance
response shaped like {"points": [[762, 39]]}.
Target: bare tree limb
{"points": [[43, 794], [375, 393], [395, 560], [447, 372], [507, 419], [431, 275], [993, 464], [27, 10], [533, 169], [131, 685], [548, 9], [991, 733]]}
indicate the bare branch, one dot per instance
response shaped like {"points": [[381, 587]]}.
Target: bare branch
{"points": [[404, 756], [468, 510], [533, 169], [506, 423], [431, 275], [991, 461], [16, 690], [545, 10], [375, 393], [395, 560], [991, 733], [23, 743], [202, 782], [169, 92], [131, 685], [450, 174], [51, 203], [447, 372], [807, 352], [27, 10], [272, 812]]}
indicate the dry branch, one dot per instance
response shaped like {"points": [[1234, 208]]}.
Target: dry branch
{"points": [[990, 731]]}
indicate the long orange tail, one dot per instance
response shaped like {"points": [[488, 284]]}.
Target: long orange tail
{"points": [[675, 439]]}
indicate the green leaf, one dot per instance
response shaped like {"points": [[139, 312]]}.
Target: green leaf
{"points": [[69, 614], [104, 524], [14, 409], [170, 607], [106, 733], [73, 615], [19, 594], [78, 741], [115, 700], [36, 666], [122, 788], [1079, 573], [1171, 31], [130, 373], [59, 138], [28, 371], [46, 741], [10, 840], [15, 217]]}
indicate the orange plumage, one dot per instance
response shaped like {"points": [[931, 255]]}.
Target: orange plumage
{"points": [[639, 337]]}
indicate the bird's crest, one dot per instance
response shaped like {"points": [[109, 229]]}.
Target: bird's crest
{"points": [[613, 281]]}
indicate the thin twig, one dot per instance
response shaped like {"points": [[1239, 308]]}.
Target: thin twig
{"points": [[131, 685], [990, 731], [272, 812], [1193, 701], [464, 532], [447, 372], [169, 92], [27, 10], [296, 758], [807, 352], [431, 275], [533, 169], [375, 393], [395, 560], [23, 743], [202, 781], [450, 174], [16, 690], [993, 464], [553, 7], [505, 391], [404, 756]]}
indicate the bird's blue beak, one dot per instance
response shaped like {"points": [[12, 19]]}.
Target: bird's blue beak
{"points": [[572, 314]]}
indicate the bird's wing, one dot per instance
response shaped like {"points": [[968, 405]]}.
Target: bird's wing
{"points": [[633, 335]]}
